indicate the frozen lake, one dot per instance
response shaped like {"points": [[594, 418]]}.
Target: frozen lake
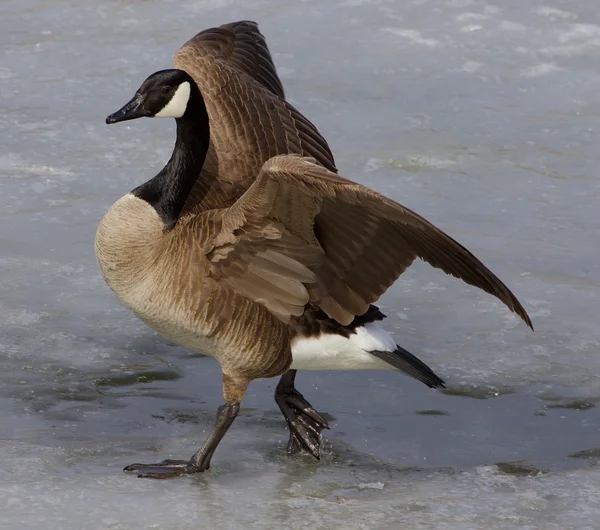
{"points": [[483, 117]]}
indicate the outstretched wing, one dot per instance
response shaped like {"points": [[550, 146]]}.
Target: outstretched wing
{"points": [[301, 234]]}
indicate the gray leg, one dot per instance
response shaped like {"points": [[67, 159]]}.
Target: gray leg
{"points": [[201, 460], [304, 422]]}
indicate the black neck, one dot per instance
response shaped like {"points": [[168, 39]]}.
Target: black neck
{"points": [[168, 191]]}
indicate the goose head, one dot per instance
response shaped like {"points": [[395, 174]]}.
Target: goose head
{"points": [[165, 94]]}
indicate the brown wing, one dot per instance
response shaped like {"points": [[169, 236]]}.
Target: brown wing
{"points": [[339, 245], [239, 45], [249, 120]]}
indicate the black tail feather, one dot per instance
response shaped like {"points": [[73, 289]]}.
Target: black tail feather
{"points": [[409, 364]]}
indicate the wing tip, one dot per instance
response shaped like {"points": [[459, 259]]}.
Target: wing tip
{"points": [[527, 320], [519, 310]]}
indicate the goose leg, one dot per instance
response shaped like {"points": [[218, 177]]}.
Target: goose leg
{"points": [[304, 422], [200, 462]]}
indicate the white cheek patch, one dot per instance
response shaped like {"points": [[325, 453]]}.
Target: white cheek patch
{"points": [[176, 107]]}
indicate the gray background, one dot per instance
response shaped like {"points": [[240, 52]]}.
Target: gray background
{"points": [[482, 117]]}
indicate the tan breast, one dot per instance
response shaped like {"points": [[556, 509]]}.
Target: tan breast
{"points": [[162, 278], [155, 274]]}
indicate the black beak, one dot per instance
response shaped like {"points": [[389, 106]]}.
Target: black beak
{"points": [[130, 111]]}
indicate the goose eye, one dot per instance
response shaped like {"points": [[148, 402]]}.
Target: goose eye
{"points": [[166, 89]]}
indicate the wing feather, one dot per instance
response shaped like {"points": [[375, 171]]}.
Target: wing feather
{"points": [[354, 241], [249, 119]]}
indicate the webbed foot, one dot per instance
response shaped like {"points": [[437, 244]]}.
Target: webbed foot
{"points": [[304, 422]]}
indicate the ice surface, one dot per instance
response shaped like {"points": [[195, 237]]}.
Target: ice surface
{"points": [[481, 116]]}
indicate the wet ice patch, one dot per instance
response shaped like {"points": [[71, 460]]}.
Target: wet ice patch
{"points": [[580, 32], [411, 164], [577, 40], [431, 287], [554, 13], [285, 72], [539, 70], [470, 28], [9, 162], [462, 3], [12, 166], [468, 17], [508, 25], [20, 317], [371, 485], [470, 67], [413, 36], [41, 169], [6, 73]]}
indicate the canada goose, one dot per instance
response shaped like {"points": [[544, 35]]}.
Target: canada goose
{"points": [[250, 123], [284, 277]]}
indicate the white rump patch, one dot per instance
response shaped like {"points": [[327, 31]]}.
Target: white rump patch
{"points": [[176, 107], [334, 352]]}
